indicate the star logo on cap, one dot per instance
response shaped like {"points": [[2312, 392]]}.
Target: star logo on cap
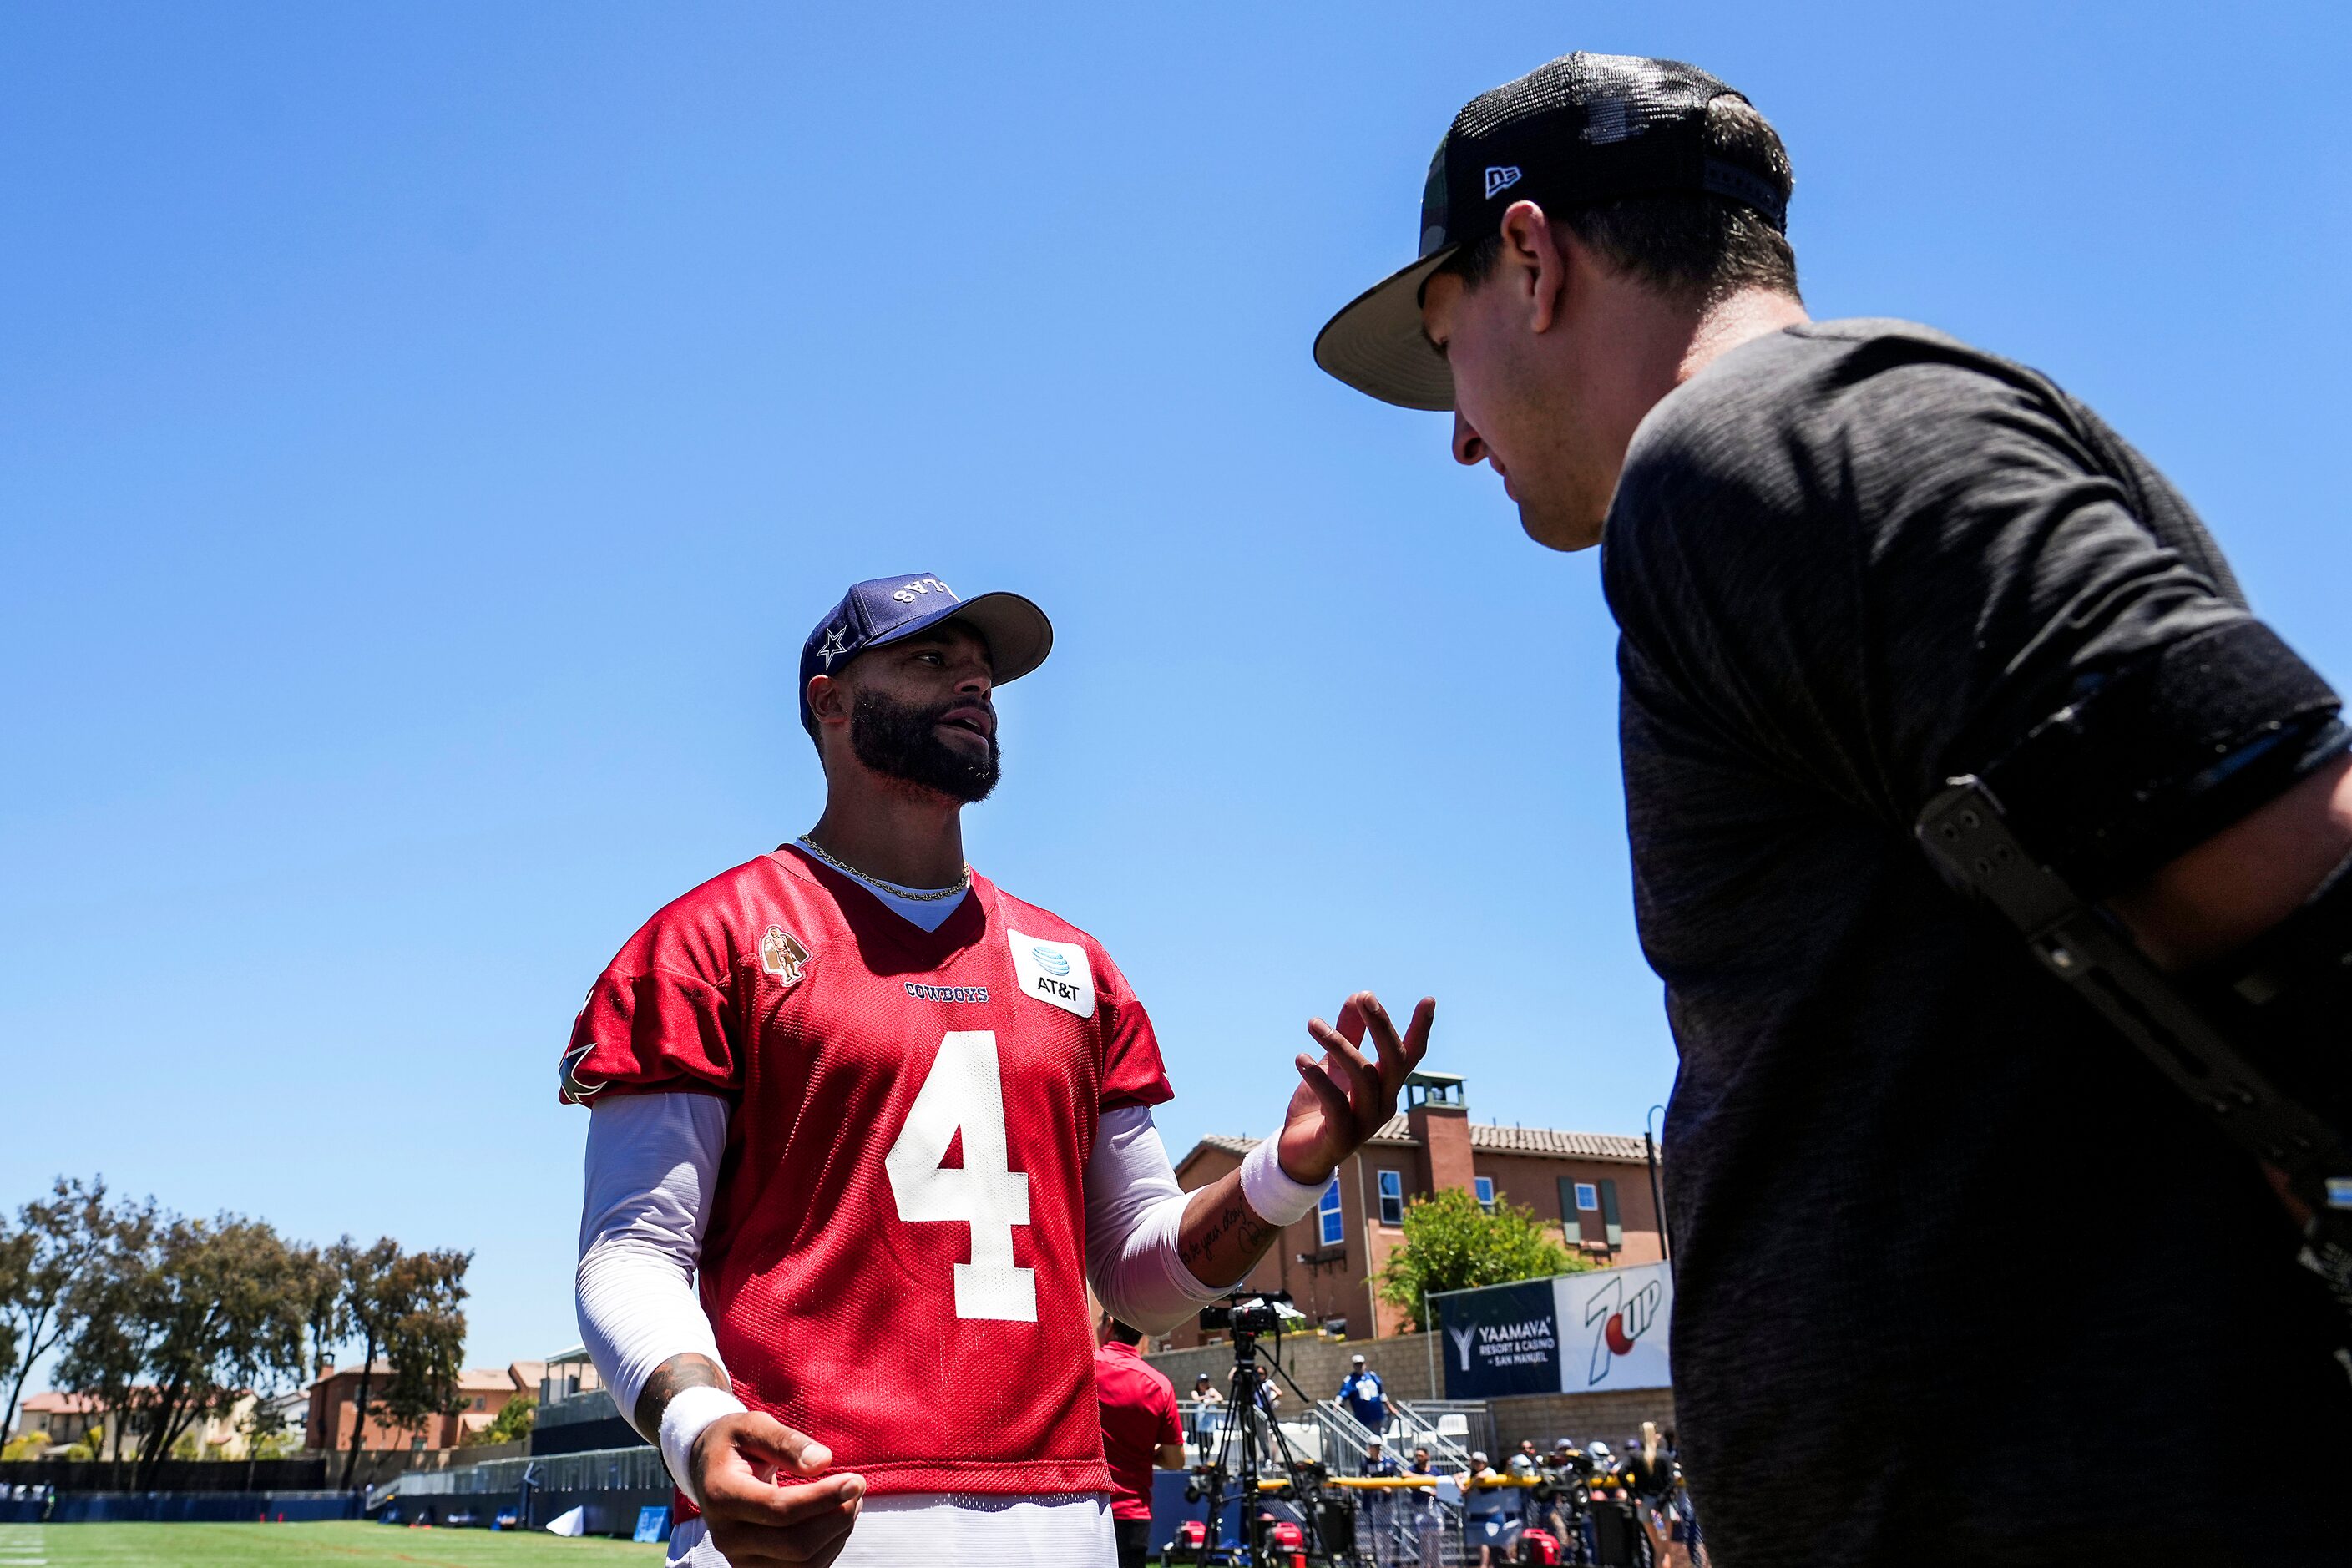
{"points": [[835, 643]]}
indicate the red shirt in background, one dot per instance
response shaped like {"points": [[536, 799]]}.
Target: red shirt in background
{"points": [[1138, 1414]]}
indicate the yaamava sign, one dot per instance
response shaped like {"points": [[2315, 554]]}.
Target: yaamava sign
{"points": [[1573, 1333]]}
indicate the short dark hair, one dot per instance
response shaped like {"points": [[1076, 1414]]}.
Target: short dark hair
{"points": [[1124, 1334], [1694, 244]]}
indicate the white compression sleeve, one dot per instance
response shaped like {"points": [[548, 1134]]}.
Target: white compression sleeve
{"points": [[652, 1159], [1134, 1213]]}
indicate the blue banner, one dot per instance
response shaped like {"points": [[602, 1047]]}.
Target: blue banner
{"points": [[1501, 1340]]}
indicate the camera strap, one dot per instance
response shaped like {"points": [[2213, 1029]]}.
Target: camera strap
{"points": [[1967, 836]]}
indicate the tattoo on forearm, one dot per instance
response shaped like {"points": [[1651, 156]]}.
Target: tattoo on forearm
{"points": [[1236, 1233], [669, 1380]]}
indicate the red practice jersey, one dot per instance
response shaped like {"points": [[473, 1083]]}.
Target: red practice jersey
{"points": [[895, 1256], [1138, 1415]]}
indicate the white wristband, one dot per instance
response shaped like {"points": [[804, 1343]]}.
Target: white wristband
{"points": [[1277, 1199], [686, 1418]]}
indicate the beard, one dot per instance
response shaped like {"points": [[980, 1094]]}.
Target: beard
{"points": [[903, 742]]}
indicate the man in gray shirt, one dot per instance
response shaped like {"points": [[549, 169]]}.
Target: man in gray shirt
{"points": [[1945, 1246]]}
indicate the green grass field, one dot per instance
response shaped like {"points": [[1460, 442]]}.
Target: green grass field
{"points": [[273, 1545]]}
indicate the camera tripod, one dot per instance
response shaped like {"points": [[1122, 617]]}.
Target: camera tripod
{"points": [[1246, 1453]]}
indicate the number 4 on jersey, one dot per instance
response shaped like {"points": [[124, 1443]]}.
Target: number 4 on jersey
{"points": [[965, 1090]]}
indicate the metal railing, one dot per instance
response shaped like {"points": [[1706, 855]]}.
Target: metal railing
{"points": [[1327, 1432], [598, 1469], [1344, 1437], [1205, 1422], [596, 1404], [1448, 1428]]}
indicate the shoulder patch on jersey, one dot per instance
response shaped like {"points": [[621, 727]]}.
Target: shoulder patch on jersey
{"points": [[578, 1090], [1055, 972], [782, 955]]}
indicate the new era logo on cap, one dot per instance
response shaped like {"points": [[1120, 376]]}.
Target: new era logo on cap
{"points": [[1581, 130]]}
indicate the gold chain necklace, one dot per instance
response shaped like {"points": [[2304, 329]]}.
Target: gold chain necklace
{"points": [[913, 894]]}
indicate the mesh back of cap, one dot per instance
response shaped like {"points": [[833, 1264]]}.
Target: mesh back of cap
{"points": [[1642, 119], [1614, 96]]}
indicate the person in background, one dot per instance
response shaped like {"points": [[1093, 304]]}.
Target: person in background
{"points": [[1487, 1516], [1377, 1514], [1527, 1465], [1364, 1397], [1139, 1430], [1269, 1400], [1686, 1522], [1561, 1468], [1208, 1412], [1429, 1526]]}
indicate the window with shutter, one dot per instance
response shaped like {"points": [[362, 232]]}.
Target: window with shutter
{"points": [[1575, 1197]]}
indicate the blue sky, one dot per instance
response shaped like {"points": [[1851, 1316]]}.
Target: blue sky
{"points": [[426, 433]]}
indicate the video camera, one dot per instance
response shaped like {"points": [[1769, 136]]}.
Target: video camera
{"points": [[1250, 1312]]}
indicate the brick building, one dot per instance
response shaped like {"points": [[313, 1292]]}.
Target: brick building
{"points": [[482, 1394], [1593, 1188]]}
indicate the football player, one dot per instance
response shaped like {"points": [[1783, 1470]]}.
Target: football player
{"points": [[865, 1128]]}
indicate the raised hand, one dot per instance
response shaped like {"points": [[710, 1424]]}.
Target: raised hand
{"points": [[1341, 1101], [756, 1518], [1344, 1099]]}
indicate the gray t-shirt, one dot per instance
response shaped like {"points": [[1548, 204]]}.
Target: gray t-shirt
{"points": [[1959, 1279]]}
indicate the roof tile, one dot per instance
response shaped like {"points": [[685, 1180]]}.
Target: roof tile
{"points": [[1484, 1137]]}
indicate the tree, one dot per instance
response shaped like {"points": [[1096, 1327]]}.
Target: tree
{"points": [[42, 1257], [16, 1262], [181, 1318], [107, 1347], [404, 1308], [266, 1436], [1453, 1243], [512, 1424], [281, 1443], [427, 1346], [319, 1290]]}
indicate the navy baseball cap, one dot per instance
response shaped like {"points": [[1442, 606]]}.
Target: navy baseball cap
{"points": [[1580, 130], [887, 609]]}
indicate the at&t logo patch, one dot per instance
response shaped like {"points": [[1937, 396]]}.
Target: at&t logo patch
{"points": [[1054, 971]]}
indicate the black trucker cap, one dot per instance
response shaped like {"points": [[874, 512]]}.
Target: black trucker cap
{"points": [[1583, 129]]}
